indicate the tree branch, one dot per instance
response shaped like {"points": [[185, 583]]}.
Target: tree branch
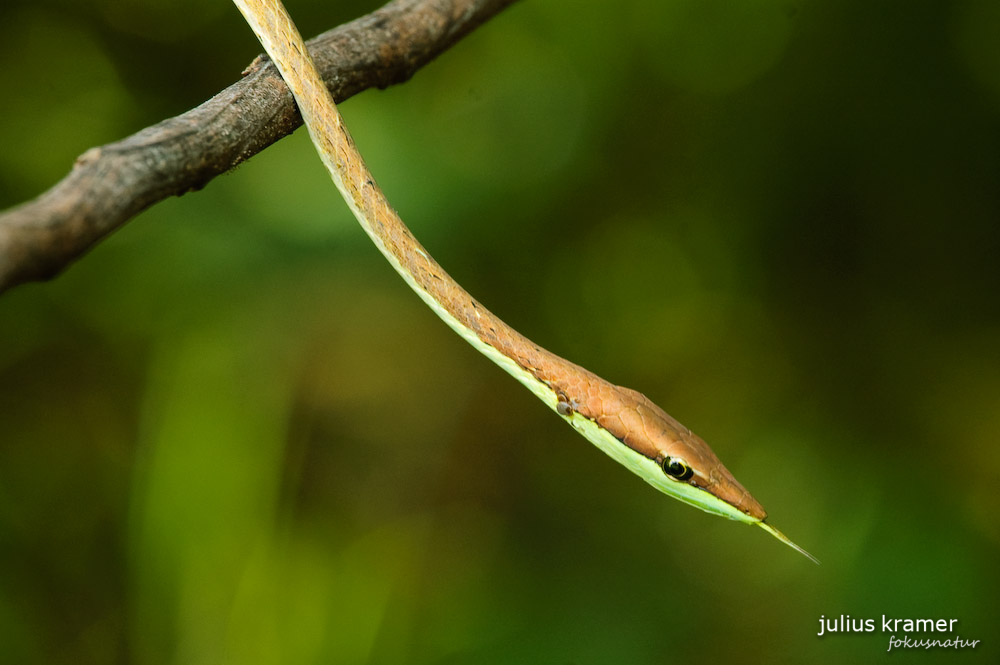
{"points": [[111, 184]]}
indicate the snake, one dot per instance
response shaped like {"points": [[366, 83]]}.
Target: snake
{"points": [[621, 422]]}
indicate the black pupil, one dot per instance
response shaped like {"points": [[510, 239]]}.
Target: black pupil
{"points": [[678, 469]]}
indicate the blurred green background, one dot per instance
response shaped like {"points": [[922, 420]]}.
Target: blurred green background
{"points": [[230, 434]]}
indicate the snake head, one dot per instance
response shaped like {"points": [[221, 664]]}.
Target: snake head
{"points": [[685, 457], [669, 456], [688, 468]]}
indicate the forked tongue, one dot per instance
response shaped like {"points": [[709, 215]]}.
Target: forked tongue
{"points": [[783, 538]]}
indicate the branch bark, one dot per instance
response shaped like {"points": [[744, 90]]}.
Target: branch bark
{"points": [[109, 185]]}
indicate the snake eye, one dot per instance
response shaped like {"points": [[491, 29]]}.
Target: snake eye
{"points": [[676, 468]]}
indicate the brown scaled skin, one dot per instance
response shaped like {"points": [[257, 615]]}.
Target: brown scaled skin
{"points": [[626, 414]]}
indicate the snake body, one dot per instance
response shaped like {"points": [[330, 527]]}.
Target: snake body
{"points": [[620, 421]]}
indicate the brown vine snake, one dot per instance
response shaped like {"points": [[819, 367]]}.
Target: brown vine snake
{"points": [[621, 422]]}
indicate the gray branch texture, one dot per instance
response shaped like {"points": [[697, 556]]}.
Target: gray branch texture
{"points": [[110, 184]]}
